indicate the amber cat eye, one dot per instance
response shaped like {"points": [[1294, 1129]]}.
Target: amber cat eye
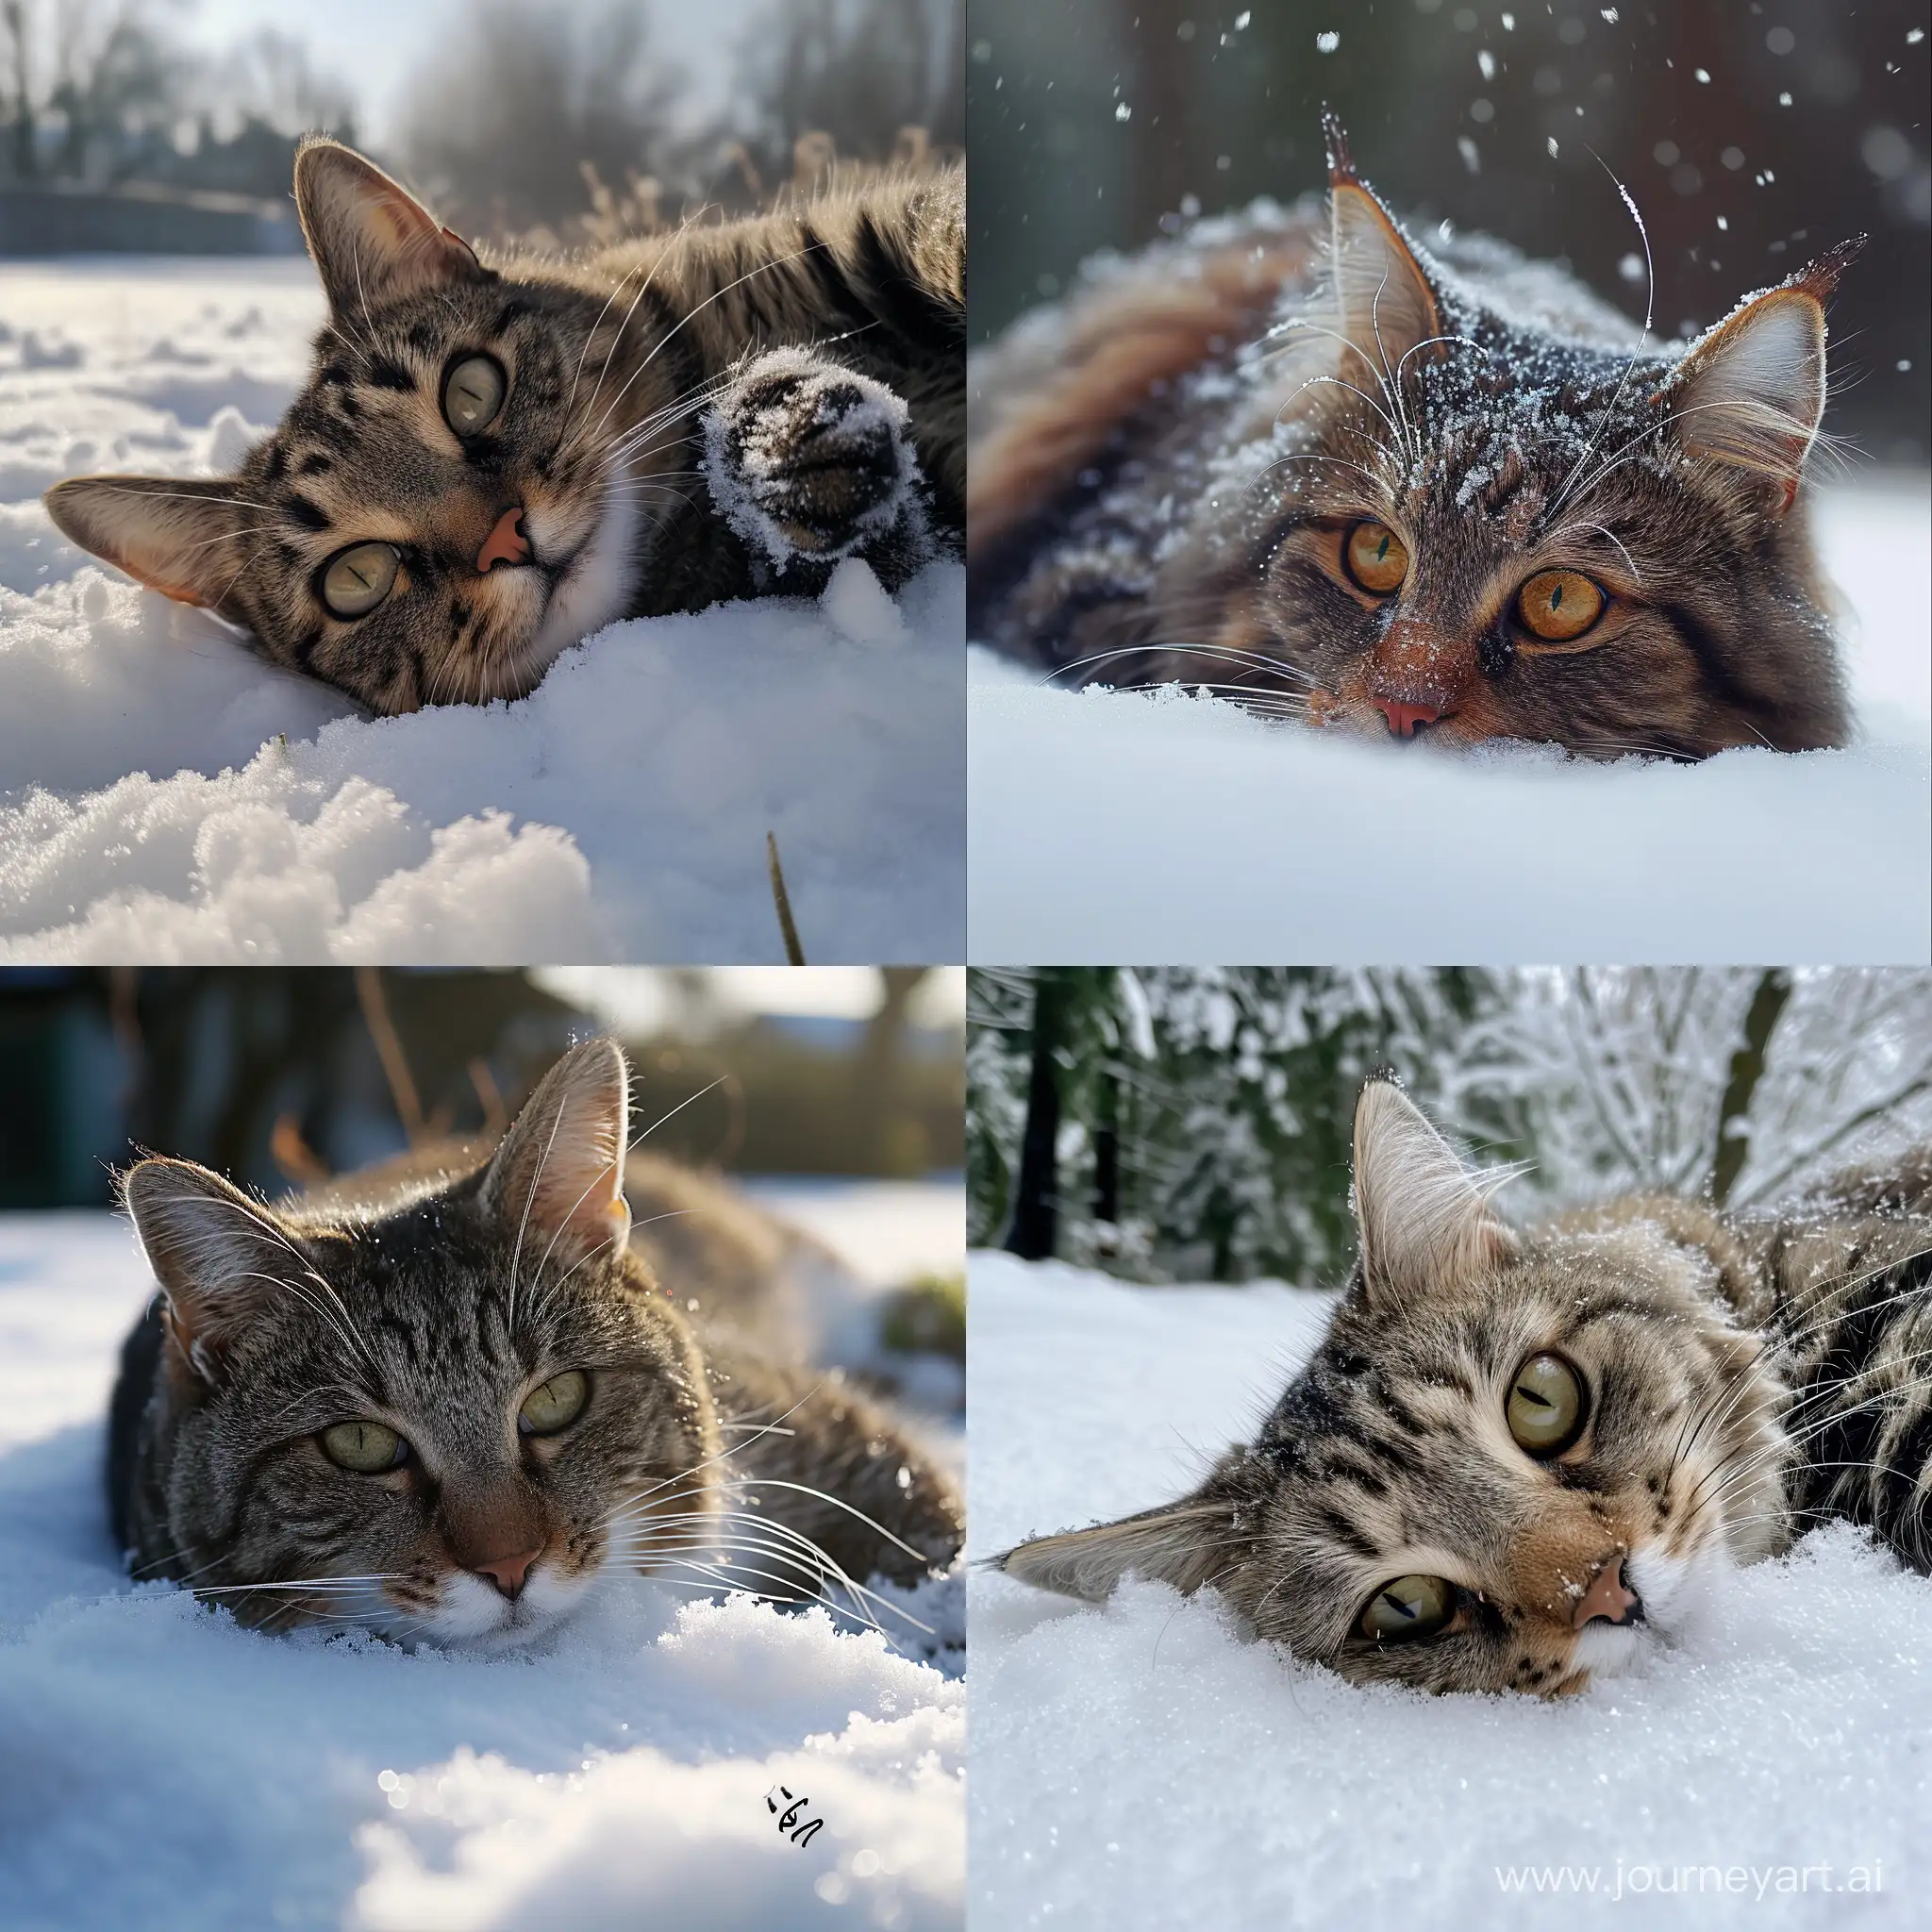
{"points": [[1558, 605], [1548, 1406], [1377, 558], [554, 1404], [368, 1448], [1407, 1608]]}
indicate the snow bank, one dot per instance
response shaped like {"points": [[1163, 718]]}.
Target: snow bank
{"points": [[164, 796], [163, 1768], [1111, 825], [1136, 1765]]}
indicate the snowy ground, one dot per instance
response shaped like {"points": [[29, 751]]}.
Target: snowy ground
{"points": [[1137, 1767], [150, 808], [1111, 825], [160, 1768]]}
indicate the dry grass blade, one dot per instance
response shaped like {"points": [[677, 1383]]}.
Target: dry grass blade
{"points": [[795, 953]]}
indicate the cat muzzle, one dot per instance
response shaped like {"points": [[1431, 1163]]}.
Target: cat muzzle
{"points": [[509, 1574], [1405, 721], [1609, 1597], [506, 542]]}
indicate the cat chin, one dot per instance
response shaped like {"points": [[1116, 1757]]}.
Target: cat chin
{"points": [[596, 585], [473, 1615]]}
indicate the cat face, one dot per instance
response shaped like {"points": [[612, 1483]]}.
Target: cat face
{"points": [[442, 1418], [452, 501], [1479, 524], [1512, 1463]]}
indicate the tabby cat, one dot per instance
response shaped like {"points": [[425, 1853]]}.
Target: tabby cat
{"points": [[442, 1405], [1296, 457], [1517, 1460], [498, 453]]}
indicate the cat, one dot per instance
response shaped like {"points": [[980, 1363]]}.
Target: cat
{"points": [[498, 454], [1297, 459], [442, 1401], [1519, 1459]]}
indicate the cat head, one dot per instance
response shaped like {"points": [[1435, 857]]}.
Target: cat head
{"points": [[1486, 511], [447, 506], [1513, 1460], [441, 1416]]}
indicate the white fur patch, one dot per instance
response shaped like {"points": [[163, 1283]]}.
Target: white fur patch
{"points": [[472, 1613], [596, 588]]}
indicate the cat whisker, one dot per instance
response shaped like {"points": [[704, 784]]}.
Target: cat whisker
{"points": [[763, 268], [1648, 301]]}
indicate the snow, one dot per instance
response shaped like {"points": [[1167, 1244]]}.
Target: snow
{"points": [[1113, 826], [166, 1768], [1137, 1765], [165, 795]]}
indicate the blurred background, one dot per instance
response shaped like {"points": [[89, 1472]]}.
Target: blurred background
{"points": [[1753, 135], [282, 1076], [169, 125], [1195, 1124]]}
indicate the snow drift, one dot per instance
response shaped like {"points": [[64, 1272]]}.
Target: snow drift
{"points": [[1137, 1765], [163, 1768], [1127, 824], [165, 795]]}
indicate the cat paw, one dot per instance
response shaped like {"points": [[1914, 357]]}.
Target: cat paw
{"points": [[810, 463]]}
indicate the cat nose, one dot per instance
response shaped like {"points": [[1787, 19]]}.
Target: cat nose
{"points": [[1405, 720], [508, 1572], [506, 543], [1609, 1597]]}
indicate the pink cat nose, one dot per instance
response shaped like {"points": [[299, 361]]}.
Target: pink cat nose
{"points": [[1609, 1597], [508, 1572], [1405, 720], [506, 543]]}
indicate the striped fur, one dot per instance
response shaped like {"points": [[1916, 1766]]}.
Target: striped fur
{"points": [[1166, 465], [615, 363], [432, 1296], [1747, 1377]]}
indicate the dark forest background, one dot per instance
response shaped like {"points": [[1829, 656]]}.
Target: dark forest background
{"points": [[1193, 1123], [283, 1075], [1093, 124]]}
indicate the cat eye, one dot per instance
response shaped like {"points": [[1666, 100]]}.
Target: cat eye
{"points": [[368, 1448], [473, 393], [554, 1404], [1377, 558], [356, 582], [1558, 605], [1407, 1609], [1547, 1406]]}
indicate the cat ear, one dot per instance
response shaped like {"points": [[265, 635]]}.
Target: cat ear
{"points": [[1384, 304], [558, 1179], [373, 243], [174, 534], [1423, 1218], [220, 1257], [1751, 392], [1182, 1544]]}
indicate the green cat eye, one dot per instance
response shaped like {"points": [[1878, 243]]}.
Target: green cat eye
{"points": [[368, 1448], [1408, 1609], [473, 393], [1547, 1406], [354, 582], [554, 1404]]}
